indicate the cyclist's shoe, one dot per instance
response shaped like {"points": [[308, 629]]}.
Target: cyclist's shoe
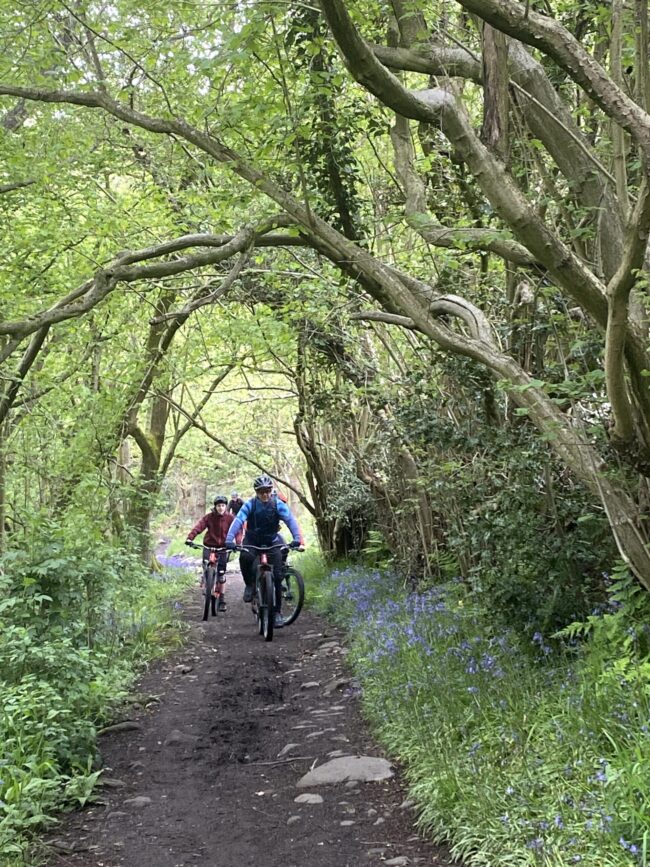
{"points": [[248, 593], [278, 620], [221, 604]]}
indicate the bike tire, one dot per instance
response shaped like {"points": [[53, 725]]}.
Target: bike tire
{"points": [[268, 612], [259, 602], [210, 575], [293, 584]]}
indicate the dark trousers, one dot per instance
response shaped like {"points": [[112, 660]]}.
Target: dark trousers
{"points": [[247, 561]]}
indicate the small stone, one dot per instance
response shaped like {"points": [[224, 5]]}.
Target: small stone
{"points": [[346, 823], [177, 737], [352, 784], [379, 821], [400, 861], [116, 814], [405, 805], [312, 684], [372, 812], [373, 852], [126, 725], [337, 683], [308, 798], [63, 846], [293, 819], [138, 803], [110, 783]]}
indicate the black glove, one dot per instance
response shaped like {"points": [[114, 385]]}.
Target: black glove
{"points": [[231, 546], [295, 543], [189, 542]]}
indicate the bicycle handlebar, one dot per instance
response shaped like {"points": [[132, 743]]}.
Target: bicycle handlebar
{"points": [[200, 547], [282, 545]]}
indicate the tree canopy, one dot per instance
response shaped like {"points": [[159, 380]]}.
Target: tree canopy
{"points": [[444, 202]]}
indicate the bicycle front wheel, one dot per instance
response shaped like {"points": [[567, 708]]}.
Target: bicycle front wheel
{"points": [[293, 595], [210, 578], [268, 607]]}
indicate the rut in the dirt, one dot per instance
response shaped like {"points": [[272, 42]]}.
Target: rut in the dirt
{"points": [[209, 778]]}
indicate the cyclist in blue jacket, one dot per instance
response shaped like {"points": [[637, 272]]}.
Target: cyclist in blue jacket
{"points": [[262, 515]]}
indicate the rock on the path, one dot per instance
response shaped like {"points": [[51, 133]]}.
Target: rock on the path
{"points": [[308, 798], [312, 684], [346, 823], [366, 769], [126, 725], [176, 737], [335, 684], [287, 749], [138, 803], [293, 819], [400, 861]]}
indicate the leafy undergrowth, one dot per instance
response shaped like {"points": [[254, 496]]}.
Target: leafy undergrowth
{"points": [[516, 752], [75, 629]]}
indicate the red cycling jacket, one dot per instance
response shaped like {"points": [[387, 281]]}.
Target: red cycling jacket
{"points": [[216, 527]]}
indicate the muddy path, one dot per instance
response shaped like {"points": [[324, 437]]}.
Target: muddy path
{"points": [[206, 774]]}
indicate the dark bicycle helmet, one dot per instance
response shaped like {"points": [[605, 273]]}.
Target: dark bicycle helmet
{"points": [[221, 499], [263, 481]]}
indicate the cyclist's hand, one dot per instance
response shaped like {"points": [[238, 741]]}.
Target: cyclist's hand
{"points": [[295, 543], [189, 543], [231, 546]]}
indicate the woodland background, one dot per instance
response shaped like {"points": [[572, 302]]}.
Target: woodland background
{"points": [[394, 254]]}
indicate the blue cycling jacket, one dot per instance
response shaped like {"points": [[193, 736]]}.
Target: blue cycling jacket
{"points": [[263, 521]]}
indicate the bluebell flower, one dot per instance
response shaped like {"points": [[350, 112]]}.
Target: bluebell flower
{"points": [[536, 844]]}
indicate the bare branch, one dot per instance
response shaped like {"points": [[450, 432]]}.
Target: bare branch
{"points": [[547, 34], [27, 361], [200, 426], [618, 293], [16, 185]]}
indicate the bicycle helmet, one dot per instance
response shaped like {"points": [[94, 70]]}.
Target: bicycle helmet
{"points": [[221, 499], [263, 481]]}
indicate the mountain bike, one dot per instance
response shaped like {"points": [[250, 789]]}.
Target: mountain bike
{"points": [[212, 582], [263, 605]]}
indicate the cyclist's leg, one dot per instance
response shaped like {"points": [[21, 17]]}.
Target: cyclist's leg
{"points": [[221, 566], [221, 578], [247, 566]]}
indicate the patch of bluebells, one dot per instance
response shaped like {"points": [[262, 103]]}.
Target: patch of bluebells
{"points": [[177, 561], [437, 641]]}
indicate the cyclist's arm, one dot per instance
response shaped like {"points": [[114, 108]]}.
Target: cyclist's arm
{"points": [[286, 515], [198, 528]]}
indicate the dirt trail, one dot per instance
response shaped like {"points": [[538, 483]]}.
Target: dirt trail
{"points": [[199, 778]]}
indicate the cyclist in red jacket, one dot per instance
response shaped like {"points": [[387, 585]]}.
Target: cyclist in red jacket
{"points": [[216, 524]]}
